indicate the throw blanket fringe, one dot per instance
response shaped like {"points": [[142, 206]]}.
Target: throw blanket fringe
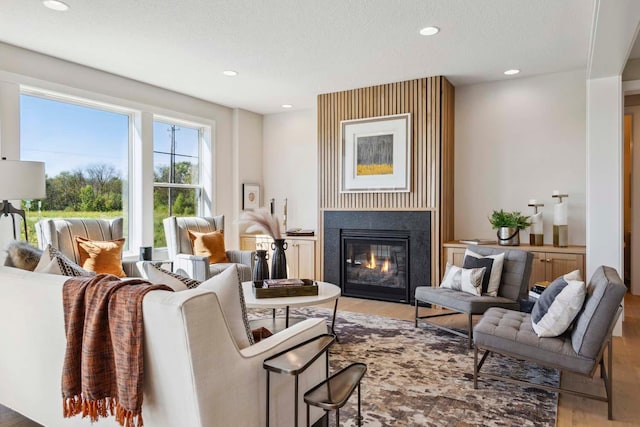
{"points": [[103, 366]]}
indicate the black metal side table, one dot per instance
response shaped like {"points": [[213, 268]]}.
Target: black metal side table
{"points": [[295, 361], [334, 392]]}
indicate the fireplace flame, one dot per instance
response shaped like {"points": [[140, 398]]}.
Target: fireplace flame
{"points": [[372, 262], [385, 266]]}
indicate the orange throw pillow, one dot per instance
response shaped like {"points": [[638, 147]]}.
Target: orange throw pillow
{"points": [[101, 256], [210, 245]]}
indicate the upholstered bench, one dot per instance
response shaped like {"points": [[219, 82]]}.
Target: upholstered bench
{"points": [[514, 286], [579, 350], [512, 333]]}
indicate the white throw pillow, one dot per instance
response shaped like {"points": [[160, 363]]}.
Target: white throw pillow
{"points": [[228, 288], [160, 276], [53, 261], [463, 279], [496, 271], [558, 305]]}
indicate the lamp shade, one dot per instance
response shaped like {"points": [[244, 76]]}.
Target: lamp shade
{"points": [[22, 180]]}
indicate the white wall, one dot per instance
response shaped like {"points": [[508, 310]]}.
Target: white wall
{"points": [[247, 155], [23, 67], [631, 70], [518, 140], [604, 180], [291, 166]]}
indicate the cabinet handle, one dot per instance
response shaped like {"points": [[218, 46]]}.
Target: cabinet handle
{"points": [[543, 260], [548, 260]]}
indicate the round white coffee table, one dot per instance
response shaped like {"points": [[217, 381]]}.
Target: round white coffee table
{"points": [[327, 292]]}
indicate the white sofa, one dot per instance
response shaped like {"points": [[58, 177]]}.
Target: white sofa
{"points": [[195, 375]]}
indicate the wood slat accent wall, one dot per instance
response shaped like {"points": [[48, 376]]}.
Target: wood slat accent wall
{"points": [[431, 104], [447, 174]]}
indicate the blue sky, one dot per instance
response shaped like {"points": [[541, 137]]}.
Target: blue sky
{"points": [[69, 137]]}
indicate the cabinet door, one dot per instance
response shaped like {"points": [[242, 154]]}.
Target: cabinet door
{"points": [[560, 264], [306, 259], [292, 259], [538, 268], [301, 259]]}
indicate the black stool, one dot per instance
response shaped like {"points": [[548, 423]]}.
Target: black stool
{"points": [[334, 392]]}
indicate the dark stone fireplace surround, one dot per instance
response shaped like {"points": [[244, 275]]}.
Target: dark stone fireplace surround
{"points": [[416, 223]]}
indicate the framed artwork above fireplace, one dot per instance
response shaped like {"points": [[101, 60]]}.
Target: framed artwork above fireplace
{"points": [[376, 154]]}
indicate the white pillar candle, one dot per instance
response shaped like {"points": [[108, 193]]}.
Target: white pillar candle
{"points": [[533, 202], [560, 214], [556, 192], [536, 223]]}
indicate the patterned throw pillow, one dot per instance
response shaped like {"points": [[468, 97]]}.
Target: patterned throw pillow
{"points": [[496, 270], [228, 288], [463, 279], [55, 262], [558, 305], [158, 275]]}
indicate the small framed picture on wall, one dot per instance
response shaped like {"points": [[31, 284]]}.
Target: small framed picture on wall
{"points": [[250, 197]]}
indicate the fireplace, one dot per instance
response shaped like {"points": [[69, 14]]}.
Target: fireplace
{"points": [[375, 264], [380, 255]]}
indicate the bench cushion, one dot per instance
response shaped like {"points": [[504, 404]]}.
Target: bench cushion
{"points": [[510, 332], [462, 301]]}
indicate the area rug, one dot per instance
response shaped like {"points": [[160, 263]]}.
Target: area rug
{"points": [[424, 377]]}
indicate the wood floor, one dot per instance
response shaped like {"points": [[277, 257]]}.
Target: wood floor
{"points": [[572, 411]]}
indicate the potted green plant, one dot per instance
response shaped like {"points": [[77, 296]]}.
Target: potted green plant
{"points": [[508, 225]]}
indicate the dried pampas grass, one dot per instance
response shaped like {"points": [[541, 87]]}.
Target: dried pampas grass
{"points": [[261, 220]]}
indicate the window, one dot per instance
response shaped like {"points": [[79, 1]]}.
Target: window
{"points": [[176, 164], [94, 154], [86, 154]]}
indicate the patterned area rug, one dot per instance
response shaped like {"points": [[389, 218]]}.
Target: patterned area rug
{"points": [[424, 377]]}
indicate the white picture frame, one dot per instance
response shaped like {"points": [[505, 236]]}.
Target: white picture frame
{"points": [[250, 197], [376, 154]]}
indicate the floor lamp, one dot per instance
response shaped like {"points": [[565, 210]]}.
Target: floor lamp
{"points": [[20, 180]]}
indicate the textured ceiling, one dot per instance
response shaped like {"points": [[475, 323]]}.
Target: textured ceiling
{"points": [[288, 51]]}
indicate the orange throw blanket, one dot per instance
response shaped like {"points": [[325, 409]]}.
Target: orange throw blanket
{"points": [[103, 364]]}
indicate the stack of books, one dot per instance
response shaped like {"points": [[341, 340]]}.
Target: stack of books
{"points": [[281, 283], [538, 289], [477, 241], [300, 232]]}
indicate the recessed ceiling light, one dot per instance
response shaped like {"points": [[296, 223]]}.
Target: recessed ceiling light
{"points": [[429, 31], [230, 73], [56, 5], [287, 106], [511, 72]]}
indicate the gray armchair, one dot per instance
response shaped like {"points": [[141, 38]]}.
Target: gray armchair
{"points": [[514, 286], [198, 267], [579, 350], [60, 234]]}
